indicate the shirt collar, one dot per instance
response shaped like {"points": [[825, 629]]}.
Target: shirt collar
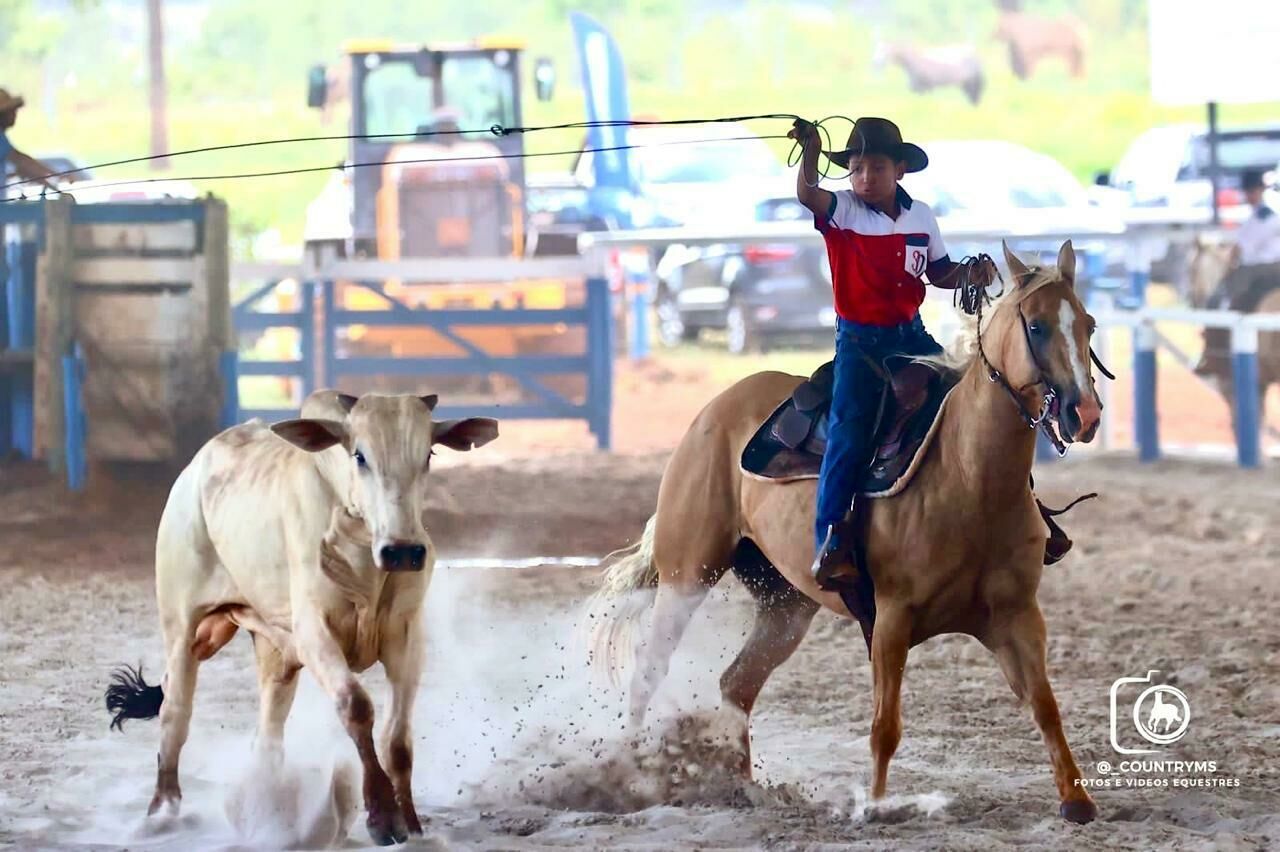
{"points": [[904, 201]]}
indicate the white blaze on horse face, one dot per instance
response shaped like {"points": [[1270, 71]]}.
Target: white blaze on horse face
{"points": [[1066, 324]]}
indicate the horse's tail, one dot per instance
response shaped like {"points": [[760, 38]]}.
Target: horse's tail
{"points": [[626, 592], [130, 697]]}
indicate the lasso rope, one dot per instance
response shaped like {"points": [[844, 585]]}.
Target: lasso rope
{"points": [[497, 130]]}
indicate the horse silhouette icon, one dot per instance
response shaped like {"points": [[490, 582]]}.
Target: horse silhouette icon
{"points": [[1162, 712]]}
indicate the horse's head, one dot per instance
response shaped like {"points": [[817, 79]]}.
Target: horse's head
{"points": [[1208, 263], [1038, 339]]}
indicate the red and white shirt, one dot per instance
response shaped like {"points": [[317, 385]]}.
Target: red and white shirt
{"points": [[877, 263]]}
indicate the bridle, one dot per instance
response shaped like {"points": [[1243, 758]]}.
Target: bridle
{"points": [[970, 298]]}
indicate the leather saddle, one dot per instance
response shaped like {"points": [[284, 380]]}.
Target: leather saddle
{"points": [[790, 443]]}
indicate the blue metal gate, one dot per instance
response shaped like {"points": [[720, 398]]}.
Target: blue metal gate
{"points": [[329, 368]]}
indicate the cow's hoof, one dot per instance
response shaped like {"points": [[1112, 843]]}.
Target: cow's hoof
{"points": [[169, 799], [1079, 811], [411, 821], [387, 828]]}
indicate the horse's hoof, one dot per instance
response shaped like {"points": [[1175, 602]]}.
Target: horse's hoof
{"points": [[386, 829], [1079, 811]]}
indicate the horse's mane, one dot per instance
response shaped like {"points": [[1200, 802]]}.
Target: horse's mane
{"points": [[964, 346]]}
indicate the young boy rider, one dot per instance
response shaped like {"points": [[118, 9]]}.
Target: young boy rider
{"points": [[882, 245]]}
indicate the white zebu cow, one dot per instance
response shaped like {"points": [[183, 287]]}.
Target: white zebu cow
{"points": [[308, 534]]}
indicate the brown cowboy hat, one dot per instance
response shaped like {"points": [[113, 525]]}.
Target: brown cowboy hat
{"points": [[879, 136], [8, 101]]}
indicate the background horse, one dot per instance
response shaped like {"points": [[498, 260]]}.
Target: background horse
{"points": [[1256, 290], [1032, 37], [958, 551], [934, 68]]}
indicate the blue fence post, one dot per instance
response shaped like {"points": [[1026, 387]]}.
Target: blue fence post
{"points": [[600, 362], [1145, 423], [1247, 395], [73, 412], [20, 297], [639, 314], [307, 335], [229, 369], [1138, 264], [6, 389], [328, 377]]}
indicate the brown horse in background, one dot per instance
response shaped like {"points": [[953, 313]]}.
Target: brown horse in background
{"points": [[1033, 37], [936, 67], [959, 551], [1252, 289]]}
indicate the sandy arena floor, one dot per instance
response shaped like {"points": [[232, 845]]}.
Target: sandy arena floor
{"points": [[1175, 570]]}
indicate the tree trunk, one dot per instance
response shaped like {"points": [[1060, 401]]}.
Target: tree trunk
{"points": [[158, 97]]}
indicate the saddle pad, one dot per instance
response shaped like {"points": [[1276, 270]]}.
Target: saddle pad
{"points": [[766, 457]]}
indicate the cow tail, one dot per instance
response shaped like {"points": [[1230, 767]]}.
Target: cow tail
{"points": [[131, 697]]}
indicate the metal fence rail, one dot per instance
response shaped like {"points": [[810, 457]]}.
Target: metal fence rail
{"points": [[1143, 239], [321, 321]]}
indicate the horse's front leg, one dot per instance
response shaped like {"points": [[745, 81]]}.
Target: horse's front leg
{"points": [[889, 645], [402, 658], [1018, 643]]}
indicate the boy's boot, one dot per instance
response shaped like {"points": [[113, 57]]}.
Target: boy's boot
{"points": [[835, 564]]}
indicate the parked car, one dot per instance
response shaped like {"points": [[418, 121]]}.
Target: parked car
{"points": [[87, 190], [93, 191], [1169, 166], [68, 171], [698, 174], [992, 184], [762, 294], [1167, 169]]}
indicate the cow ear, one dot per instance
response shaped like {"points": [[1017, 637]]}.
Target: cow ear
{"points": [[464, 434], [347, 401], [1016, 267], [311, 435], [430, 401]]}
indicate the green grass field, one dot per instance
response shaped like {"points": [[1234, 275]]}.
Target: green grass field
{"points": [[763, 59]]}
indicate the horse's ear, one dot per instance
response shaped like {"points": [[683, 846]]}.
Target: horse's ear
{"points": [[1067, 262], [1017, 268]]}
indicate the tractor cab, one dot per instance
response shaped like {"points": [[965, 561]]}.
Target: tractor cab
{"points": [[414, 184]]}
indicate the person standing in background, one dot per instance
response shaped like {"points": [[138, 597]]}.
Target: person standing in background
{"points": [[26, 167]]}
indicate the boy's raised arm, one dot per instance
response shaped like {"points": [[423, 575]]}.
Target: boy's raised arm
{"points": [[807, 191]]}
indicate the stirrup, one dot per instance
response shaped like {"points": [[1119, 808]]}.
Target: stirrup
{"points": [[835, 564]]}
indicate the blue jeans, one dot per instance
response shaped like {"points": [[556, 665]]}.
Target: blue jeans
{"points": [[855, 400]]}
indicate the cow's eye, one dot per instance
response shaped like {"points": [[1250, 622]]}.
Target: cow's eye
{"points": [[360, 460]]}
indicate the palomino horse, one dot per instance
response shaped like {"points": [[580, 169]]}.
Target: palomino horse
{"points": [[959, 551], [1250, 289], [1034, 37], [935, 68]]}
